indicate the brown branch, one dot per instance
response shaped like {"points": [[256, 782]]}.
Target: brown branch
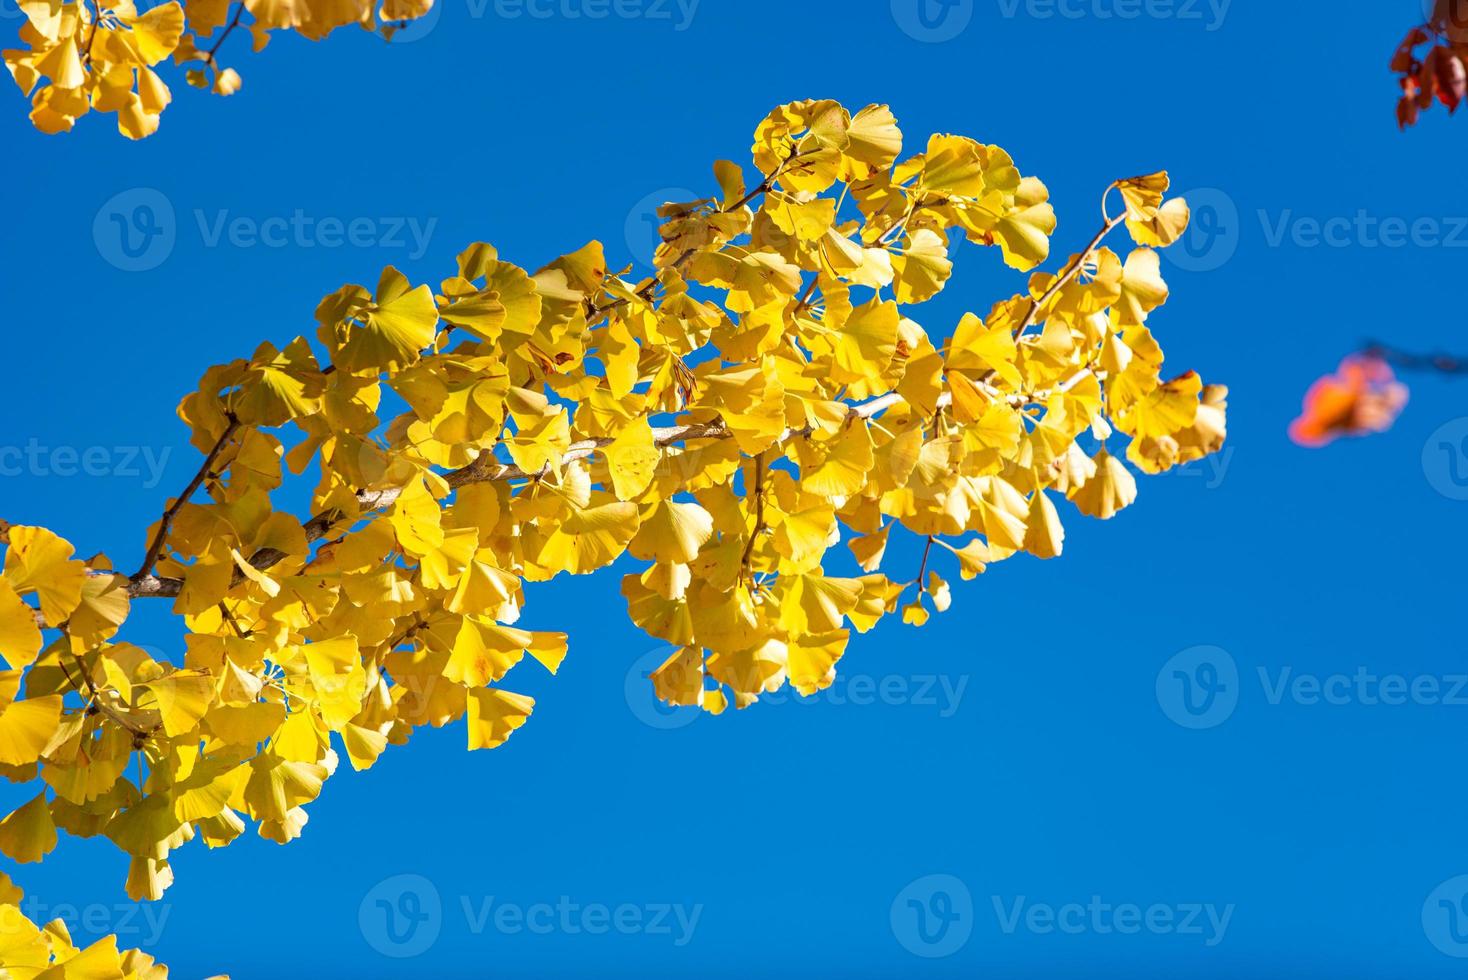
{"points": [[166, 524], [759, 512], [92, 35], [229, 618], [239, 12], [923, 568], [645, 292], [1438, 361], [488, 469], [1071, 271], [94, 695]]}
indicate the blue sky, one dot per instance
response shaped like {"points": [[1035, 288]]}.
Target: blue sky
{"points": [[1032, 746]]}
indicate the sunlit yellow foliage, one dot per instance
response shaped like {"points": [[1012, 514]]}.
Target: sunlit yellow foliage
{"points": [[86, 55], [720, 427]]}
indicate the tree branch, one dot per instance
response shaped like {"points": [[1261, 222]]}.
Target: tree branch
{"points": [[487, 469], [166, 524], [1071, 271], [759, 512], [1438, 361]]}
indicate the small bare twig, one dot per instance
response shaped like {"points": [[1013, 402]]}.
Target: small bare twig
{"points": [[166, 524]]}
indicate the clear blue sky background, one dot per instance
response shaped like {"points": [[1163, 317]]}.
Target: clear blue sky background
{"points": [[1057, 775]]}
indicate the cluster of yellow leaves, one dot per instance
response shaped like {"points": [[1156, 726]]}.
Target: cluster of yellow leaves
{"points": [[31, 952], [85, 55], [726, 422]]}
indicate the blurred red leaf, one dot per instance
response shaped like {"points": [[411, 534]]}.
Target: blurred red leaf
{"points": [[1362, 397]]}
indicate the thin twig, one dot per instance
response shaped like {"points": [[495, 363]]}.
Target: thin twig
{"points": [[161, 538], [1438, 361], [1070, 273], [764, 187], [759, 512], [239, 630], [239, 12]]}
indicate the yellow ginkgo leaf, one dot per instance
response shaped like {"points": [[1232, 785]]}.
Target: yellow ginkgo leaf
{"points": [[181, 698], [28, 834], [1163, 228], [20, 638], [673, 532], [812, 660], [843, 466], [588, 539], [816, 604], [923, 267], [1044, 534], [679, 680], [1110, 490], [495, 714], [632, 459], [484, 652], [104, 607], [395, 329], [40, 562], [276, 786], [26, 728]]}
